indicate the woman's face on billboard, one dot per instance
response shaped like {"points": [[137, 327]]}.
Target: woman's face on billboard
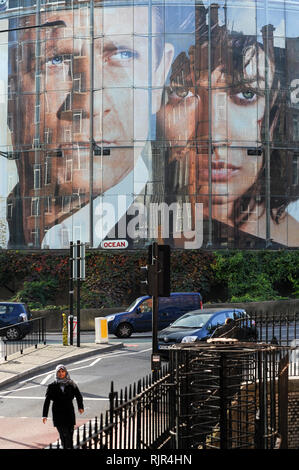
{"points": [[237, 112]]}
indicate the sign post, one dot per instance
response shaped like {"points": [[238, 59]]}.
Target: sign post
{"points": [[77, 273]]}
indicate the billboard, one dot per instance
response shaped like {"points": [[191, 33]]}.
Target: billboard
{"points": [[140, 121]]}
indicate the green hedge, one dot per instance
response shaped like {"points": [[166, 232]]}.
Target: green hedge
{"points": [[114, 279]]}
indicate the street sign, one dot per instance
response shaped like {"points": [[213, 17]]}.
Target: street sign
{"points": [[78, 259]]}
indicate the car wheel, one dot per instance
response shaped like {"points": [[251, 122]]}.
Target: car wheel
{"points": [[124, 330], [13, 334]]}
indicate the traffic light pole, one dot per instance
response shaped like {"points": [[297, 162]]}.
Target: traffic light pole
{"points": [[71, 292], [155, 299], [158, 285], [78, 293]]}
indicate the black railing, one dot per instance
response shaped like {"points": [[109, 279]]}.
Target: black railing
{"points": [[230, 396], [282, 329], [19, 336], [139, 417], [208, 396]]}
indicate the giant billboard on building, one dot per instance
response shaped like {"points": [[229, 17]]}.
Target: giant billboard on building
{"points": [[170, 121]]}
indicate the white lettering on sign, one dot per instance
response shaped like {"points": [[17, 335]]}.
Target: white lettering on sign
{"points": [[118, 244]]}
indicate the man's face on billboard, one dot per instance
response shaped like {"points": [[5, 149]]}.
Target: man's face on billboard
{"points": [[120, 97]]}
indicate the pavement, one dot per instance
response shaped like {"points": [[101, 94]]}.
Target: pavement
{"points": [[43, 357]]}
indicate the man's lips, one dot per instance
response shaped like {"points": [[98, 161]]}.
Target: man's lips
{"points": [[220, 171]]}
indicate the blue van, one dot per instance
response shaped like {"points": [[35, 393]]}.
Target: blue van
{"points": [[138, 317]]}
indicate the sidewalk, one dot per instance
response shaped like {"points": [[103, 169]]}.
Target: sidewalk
{"points": [[36, 360]]}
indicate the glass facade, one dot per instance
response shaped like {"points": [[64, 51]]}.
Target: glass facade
{"points": [[155, 120]]}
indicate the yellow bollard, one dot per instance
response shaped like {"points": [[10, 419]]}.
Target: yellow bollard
{"points": [[64, 330]]}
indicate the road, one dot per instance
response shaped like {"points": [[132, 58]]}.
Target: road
{"points": [[21, 404]]}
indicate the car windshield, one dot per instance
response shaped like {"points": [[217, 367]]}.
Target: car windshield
{"points": [[133, 305], [191, 321]]}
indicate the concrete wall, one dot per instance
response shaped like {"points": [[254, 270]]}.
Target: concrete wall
{"points": [[87, 316], [271, 307]]}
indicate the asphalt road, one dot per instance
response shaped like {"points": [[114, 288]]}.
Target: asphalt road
{"points": [[21, 404]]}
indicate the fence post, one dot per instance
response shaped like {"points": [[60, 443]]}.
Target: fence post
{"points": [[138, 417], [223, 401], [111, 413]]}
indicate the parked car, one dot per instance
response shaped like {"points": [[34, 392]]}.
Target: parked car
{"points": [[14, 320], [138, 317], [200, 325]]}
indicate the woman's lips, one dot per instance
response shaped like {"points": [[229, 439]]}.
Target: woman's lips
{"points": [[220, 171]]}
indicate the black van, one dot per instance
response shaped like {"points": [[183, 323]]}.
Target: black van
{"points": [[138, 317]]}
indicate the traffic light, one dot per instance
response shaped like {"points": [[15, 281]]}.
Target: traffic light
{"points": [[164, 270], [158, 266], [149, 281]]}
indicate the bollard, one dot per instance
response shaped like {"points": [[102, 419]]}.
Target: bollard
{"points": [[101, 330], [64, 330], [2, 351]]}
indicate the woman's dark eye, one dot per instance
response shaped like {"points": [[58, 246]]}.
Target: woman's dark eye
{"points": [[248, 95], [180, 91], [244, 97]]}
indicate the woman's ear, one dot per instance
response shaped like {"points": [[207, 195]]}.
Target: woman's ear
{"points": [[160, 75]]}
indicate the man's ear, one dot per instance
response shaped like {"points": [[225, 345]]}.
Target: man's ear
{"points": [[160, 75]]}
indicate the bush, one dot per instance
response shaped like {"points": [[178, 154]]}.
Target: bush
{"points": [[256, 276], [37, 293], [114, 279]]}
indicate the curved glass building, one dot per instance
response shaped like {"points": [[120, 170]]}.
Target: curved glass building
{"points": [[125, 122]]}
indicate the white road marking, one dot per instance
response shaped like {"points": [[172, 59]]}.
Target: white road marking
{"points": [[42, 398], [45, 380], [48, 376]]}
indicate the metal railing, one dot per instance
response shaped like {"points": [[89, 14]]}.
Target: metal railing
{"points": [[282, 329], [208, 396], [230, 396], [35, 330], [139, 417]]}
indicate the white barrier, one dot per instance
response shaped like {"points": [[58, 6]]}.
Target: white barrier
{"points": [[2, 350], [101, 330], [75, 329]]}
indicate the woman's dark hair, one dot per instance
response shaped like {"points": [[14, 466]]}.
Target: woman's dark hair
{"points": [[232, 52]]}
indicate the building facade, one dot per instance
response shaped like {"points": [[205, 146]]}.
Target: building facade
{"points": [[142, 120]]}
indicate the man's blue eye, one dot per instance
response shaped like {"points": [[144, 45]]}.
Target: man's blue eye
{"points": [[124, 54], [57, 60]]}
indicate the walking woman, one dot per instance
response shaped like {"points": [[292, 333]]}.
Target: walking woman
{"points": [[62, 392]]}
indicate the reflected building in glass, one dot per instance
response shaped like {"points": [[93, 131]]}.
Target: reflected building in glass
{"points": [[154, 120]]}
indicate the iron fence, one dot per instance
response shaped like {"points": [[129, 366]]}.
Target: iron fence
{"points": [[229, 396], [139, 417], [208, 396], [34, 331], [277, 328]]}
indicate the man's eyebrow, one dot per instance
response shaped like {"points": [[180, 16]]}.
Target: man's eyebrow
{"points": [[54, 23]]}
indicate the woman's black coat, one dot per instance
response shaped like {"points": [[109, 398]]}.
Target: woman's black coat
{"points": [[62, 409]]}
